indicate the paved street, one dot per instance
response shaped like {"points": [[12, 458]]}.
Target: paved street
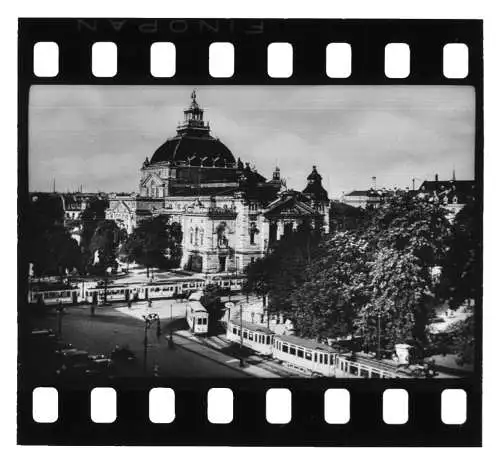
{"points": [[118, 325]]}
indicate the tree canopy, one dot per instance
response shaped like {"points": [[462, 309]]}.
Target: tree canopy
{"points": [[460, 279], [154, 243], [104, 245], [282, 270], [211, 300], [379, 274], [48, 244]]}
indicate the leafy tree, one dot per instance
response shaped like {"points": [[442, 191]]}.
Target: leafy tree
{"points": [[48, 244], [460, 278], [408, 235], [400, 300], [258, 276], [334, 289], [154, 243], [211, 300], [105, 241], [283, 269], [92, 216]]}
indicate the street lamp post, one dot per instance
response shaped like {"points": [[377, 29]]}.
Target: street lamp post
{"points": [[148, 320], [241, 335], [171, 334], [378, 335], [59, 319]]}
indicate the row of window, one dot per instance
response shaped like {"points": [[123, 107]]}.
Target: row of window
{"points": [[54, 294], [300, 352], [251, 336]]}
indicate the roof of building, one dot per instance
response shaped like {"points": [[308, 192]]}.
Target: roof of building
{"points": [[195, 149], [193, 144], [462, 186], [307, 343], [314, 189], [459, 191], [370, 193], [291, 204]]}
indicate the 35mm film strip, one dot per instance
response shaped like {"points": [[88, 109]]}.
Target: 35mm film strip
{"points": [[249, 166]]}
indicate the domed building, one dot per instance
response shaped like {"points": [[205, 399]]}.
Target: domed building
{"points": [[229, 213]]}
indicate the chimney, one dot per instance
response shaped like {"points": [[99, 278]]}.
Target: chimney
{"points": [[374, 183], [436, 178]]}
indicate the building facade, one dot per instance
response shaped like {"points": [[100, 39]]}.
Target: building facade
{"points": [[229, 213]]}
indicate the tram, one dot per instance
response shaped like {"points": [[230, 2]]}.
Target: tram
{"points": [[306, 355], [54, 297], [258, 338], [197, 317], [94, 292]]}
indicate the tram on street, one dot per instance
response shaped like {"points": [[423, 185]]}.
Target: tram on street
{"points": [[255, 337], [54, 297], [197, 317]]}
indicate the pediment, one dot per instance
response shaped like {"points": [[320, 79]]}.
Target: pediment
{"points": [[152, 179], [290, 207]]}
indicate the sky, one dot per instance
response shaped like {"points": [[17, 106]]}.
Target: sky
{"points": [[98, 136]]}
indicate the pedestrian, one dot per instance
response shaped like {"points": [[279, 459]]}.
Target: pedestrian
{"points": [[129, 304], [150, 303], [92, 310]]}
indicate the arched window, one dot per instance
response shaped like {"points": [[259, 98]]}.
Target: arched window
{"points": [[196, 236], [191, 236], [202, 232], [253, 231]]}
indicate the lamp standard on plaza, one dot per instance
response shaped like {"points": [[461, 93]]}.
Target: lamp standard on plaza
{"points": [[149, 319], [242, 363]]}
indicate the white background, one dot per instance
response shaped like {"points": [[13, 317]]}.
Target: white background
{"points": [[445, 9]]}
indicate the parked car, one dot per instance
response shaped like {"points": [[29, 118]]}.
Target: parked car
{"points": [[123, 354]]}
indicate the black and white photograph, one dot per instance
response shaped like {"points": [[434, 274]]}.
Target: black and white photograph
{"points": [[236, 231]]}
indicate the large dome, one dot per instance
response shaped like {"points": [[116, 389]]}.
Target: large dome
{"points": [[193, 143], [195, 150]]}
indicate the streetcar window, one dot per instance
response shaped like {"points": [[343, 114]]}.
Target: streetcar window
{"points": [[157, 289], [300, 353], [250, 336], [375, 374], [308, 355], [364, 373], [332, 358], [353, 370], [245, 334], [293, 350], [320, 358], [315, 357], [268, 340], [285, 348], [234, 330]]}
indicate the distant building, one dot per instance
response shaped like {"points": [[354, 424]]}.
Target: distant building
{"points": [[229, 213], [452, 194], [366, 198]]}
